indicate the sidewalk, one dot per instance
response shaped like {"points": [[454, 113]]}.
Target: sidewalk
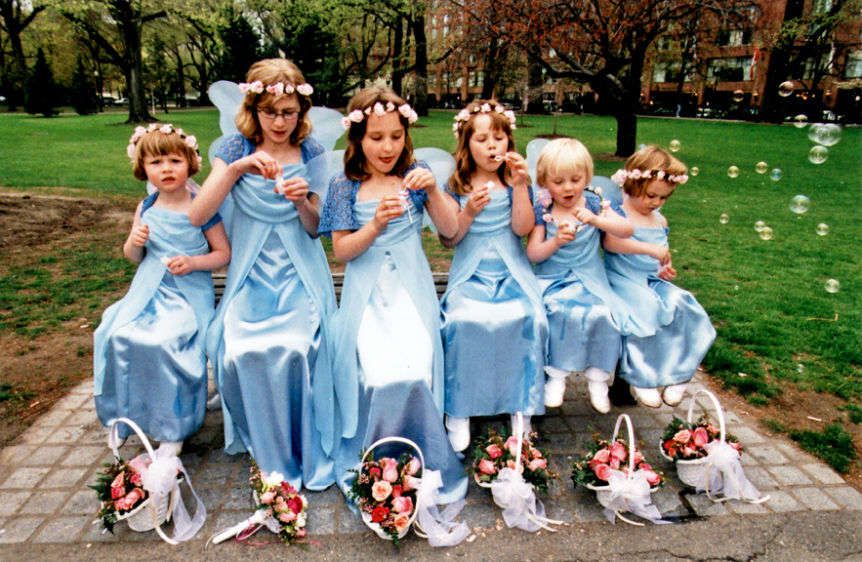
{"points": [[46, 509]]}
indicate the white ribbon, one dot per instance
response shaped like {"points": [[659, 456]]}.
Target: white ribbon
{"points": [[160, 480], [723, 474], [438, 528], [518, 500], [261, 517], [630, 494]]}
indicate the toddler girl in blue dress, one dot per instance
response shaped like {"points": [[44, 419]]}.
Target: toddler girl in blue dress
{"points": [[149, 361], [584, 314], [668, 332], [494, 328], [388, 358], [268, 342]]}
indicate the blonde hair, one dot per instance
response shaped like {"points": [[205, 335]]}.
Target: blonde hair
{"points": [[562, 155], [354, 158], [651, 159], [270, 71], [157, 143], [465, 166]]}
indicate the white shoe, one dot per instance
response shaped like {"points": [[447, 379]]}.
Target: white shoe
{"points": [[214, 403], [647, 396], [599, 396], [173, 447], [674, 394], [459, 432], [555, 389]]}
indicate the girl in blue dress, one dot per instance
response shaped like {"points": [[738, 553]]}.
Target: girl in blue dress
{"points": [[584, 314], [388, 357], [268, 342], [669, 332], [148, 359], [494, 328]]}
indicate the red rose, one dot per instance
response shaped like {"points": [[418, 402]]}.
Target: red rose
{"points": [[117, 493], [295, 504], [397, 490], [602, 472], [374, 472], [494, 451], [379, 513]]}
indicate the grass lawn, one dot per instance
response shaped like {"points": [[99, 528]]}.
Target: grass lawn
{"points": [[778, 328]]}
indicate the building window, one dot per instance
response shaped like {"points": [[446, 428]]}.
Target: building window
{"points": [[733, 37], [471, 60], [853, 67], [732, 69], [668, 71], [664, 43]]}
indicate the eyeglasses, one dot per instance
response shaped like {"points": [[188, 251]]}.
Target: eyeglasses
{"points": [[287, 114]]}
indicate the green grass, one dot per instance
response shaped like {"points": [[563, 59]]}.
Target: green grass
{"points": [[776, 324], [833, 444]]}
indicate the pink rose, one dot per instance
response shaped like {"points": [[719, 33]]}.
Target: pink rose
{"points": [[397, 490], [267, 497], [510, 464], [494, 451], [682, 436], [300, 533], [602, 472], [618, 451], [117, 492], [287, 517], [129, 500], [645, 466], [688, 451], [615, 463], [512, 446], [402, 504], [136, 479], [603, 455], [119, 480], [413, 466], [535, 453], [487, 467], [401, 522], [652, 477], [381, 490], [736, 445], [390, 473], [639, 458], [537, 464], [700, 437]]}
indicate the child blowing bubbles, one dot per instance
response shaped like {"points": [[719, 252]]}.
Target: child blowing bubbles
{"points": [[668, 332], [149, 362], [583, 313]]}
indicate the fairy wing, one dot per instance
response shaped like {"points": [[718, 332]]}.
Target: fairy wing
{"points": [[534, 147], [321, 168], [326, 126], [227, 97], [610, 190], [442, 165]]}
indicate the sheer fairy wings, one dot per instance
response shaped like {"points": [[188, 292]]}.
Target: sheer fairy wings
{"points": [[442, 165], [321, 168], [191, 186], [534, 147], [326, 127]]}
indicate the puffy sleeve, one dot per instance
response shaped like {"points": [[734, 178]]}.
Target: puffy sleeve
{"points": [[148, 202], [337, 211], [594, 204], [618, 207], [539, 211], [310, 148], [233, 147], [216, 218], [419, 196]]}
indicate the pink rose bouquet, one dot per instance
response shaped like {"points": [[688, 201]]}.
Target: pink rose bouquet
{"points": [[119, 487], [496, 450], [278, 499], [385, 492], [603, 457], [684, 441]]}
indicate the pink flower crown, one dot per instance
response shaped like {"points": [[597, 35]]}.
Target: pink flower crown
{"points": [[278, 89], [465, 114], [379, 109], [165, 129], [620, 176]]}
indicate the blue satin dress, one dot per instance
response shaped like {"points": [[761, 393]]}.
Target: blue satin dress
{"points": [[388, 358], [493, 324], [584, 313], [269, 341], [668, 332], [148, 354]]}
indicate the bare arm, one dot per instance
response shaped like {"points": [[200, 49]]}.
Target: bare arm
{"points": [[629, 246], [476, 201], [523, 218], [441, 207], [539, 249], [613, 223], [133, 248]]}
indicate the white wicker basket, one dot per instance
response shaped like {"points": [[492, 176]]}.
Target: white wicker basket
{"points": [[519, 431], [366, 517]]}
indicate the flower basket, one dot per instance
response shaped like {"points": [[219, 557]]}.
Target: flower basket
{"points": [[494, 452], [393, 477]]}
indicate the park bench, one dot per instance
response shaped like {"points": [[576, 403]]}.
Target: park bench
{"points": [[440, 281]]}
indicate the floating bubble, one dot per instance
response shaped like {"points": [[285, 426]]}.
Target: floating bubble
{"points": [[694, 171], [832, 286], [738, 96], [800, 121], [800, 368], [674, 145], [733, 172], [822, 229], [761, 167], [766, 233], [827, 134], [736, 287], [818, 154], [776, 174], [723, 218], [800, 204], [759, 225], [785, 89]]}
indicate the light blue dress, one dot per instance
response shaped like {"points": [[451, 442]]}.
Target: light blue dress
{"points": [[148, 353], [269, 341], [493, 324], [388, 358], [584, 314], [668, 332]]}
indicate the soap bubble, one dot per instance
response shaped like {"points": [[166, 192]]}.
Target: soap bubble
{"points": [[832, 286], [800, 121], [800, 204], [822, 229], [826, 134], [761, 167], [694, 171], [723, 218], [785, 89], [766, 233], [674, 145], [738, 96], [776, 174], [759, 225], [733, 172], [818, 154]]}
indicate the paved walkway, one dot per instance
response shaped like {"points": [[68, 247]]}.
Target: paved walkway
{"points": [[45, 505]]}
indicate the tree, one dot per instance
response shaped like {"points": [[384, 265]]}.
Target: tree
{"points": [[15, 16], [83, 91], [240, 43], [41, 89]]}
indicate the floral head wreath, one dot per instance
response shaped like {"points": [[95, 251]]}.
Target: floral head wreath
{"points": [[165, 129], [465, 114], [379, 109], [278, 89], [620, 176]]}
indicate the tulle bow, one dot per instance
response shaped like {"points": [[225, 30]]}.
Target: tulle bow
{"points": [[160, 480], [518, 500], [723, 474], [439, 528], [631, 494]]}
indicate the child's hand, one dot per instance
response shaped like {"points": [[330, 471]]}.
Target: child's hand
{"points": [[662, 254], [294, 189], [390, 207], [565, 234], [140, 235], [518, 169], [179, 265], [420, 178], [668, 273], [584, 215], [259, 163], [479, 198]]}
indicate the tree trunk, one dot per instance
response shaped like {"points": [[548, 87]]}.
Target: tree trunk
{"points": [[18, 72], [398, 58], [534, 88], [626, 113], [180, 87], [420, 100], [627, 128]]}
